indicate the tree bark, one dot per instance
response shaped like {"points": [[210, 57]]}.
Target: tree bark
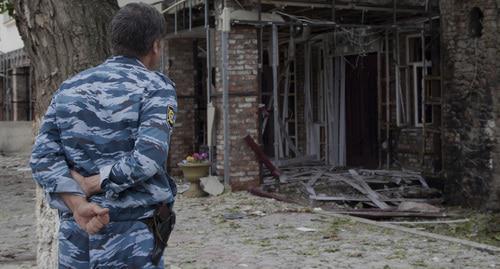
{"points": [[61, 39]]}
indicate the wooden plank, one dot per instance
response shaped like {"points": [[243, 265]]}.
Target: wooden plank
{"points": [[290, 144], [364, 199], [259, 192], [428, 222], [277, 141], [423, 182], [375, 197], [479, 246], [313, 180], [386, 214], [291, 174], [367, 180], [309, 189], [372, 181], [353, 184], [408, 173], [261, 156], [395, 175]]}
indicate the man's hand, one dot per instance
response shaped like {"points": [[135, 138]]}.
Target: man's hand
{"points": [[90, 185], [89, 216]]}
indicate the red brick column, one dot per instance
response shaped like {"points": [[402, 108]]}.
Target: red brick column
{"points": [[243, 106], [180, 68]]}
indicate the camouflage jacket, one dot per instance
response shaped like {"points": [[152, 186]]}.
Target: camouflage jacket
{"points": [[115, 120]]}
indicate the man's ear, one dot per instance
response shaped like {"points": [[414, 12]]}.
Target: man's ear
{"points": [[157, 46]]}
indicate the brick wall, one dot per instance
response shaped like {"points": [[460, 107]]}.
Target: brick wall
{"points": [[180, 69], [471, 108], [243, 106], [408, 147]]}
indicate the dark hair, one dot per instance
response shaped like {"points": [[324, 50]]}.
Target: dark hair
{"points": [[135, 28]]}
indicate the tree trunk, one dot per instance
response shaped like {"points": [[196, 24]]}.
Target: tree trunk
{"points": [[61, 39]]}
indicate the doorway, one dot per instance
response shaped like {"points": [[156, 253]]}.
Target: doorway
{"points": [[361, 110]]}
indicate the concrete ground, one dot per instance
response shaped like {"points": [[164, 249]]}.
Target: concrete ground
{"points": [[265, 234]]}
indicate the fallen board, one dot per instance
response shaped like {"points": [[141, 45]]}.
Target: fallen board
{"points": [[488, 248], [386, 214], [479, 246], [375, 197], [375, 188], [428, 222], [261, 156], [364, 199]]}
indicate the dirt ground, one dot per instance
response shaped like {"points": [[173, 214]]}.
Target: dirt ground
{"points": [[17, 214], [238, 230]]}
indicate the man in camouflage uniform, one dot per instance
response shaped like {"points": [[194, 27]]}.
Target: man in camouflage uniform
{"points": [[101, 150]]}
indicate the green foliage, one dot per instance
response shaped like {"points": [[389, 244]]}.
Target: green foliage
{"points": [[6, 6]]}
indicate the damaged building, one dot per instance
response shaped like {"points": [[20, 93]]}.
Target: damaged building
{"points": [[16, 92], [376, 84]]}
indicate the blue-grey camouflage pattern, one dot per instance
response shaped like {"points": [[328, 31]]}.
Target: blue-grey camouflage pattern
{"points": [[124, 244], [111, 120]]}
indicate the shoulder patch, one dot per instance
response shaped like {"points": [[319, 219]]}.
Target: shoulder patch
{"points": [[170, 116]]}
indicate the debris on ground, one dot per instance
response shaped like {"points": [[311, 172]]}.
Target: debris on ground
{"points": [[234, 215], [361, 192], [211, 185], [204, 239], [305, 229], [266, 237], [182, 187], [418, 207]]}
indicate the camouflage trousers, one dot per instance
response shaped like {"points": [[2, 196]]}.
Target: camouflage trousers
{"points": [[124, 244]]}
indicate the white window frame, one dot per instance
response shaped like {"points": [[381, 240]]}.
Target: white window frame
{"points": [[413, 66], [416, 65], [403, 101]]}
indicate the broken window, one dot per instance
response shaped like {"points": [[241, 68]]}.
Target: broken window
{"points": [[476, 23], [419, 94], [419, 65]]}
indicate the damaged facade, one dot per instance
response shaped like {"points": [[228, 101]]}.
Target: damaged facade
{"points": [[16, 91], [369, 84], [471, 113]]}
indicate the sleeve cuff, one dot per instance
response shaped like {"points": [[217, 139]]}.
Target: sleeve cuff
{"points": [[104, 173], [67, 185], [55, 201], [109, 188]]}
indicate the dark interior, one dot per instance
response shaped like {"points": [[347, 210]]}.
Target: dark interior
{"points": [[361, 110]]}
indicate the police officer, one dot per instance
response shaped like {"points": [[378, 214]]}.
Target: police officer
{"points": [[101, 149]]}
